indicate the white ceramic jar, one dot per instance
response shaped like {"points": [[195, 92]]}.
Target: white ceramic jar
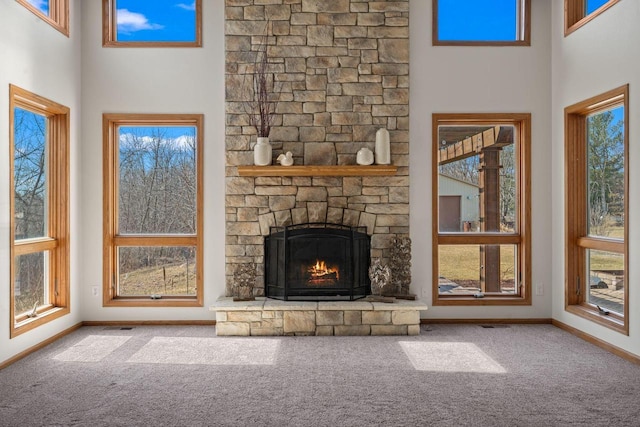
{"points": [[364, 156], [262, 152]]}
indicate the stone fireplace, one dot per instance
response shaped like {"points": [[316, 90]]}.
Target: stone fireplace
{"points": [[344, 70], [317, 262]]}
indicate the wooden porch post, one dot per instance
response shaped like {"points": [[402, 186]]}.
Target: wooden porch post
{"points": [[489, 180]]}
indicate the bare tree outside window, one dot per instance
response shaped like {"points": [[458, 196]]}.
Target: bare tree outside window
{"points": [[157, 186], [157, 196], [30, 206], [30, 174]]}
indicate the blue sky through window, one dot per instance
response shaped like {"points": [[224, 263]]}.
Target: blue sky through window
{"points": [[477, 20], [617, 115], [594, 4], [156, 21], [41, 5]]}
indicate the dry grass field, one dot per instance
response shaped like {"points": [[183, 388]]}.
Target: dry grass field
{"points": [[461, 264], [170, 279]]}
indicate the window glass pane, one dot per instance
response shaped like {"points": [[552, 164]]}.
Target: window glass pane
{"points": [[477, 179], [478, 20], [31, 286], [41, 5], [30, 174], [156, 21], [606, 280], [605, 167], [592, 5], [146, 271], [468, 269], [157, 180]]}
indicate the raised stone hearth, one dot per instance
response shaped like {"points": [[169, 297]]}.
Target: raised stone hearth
{"points": [[266, 316]]}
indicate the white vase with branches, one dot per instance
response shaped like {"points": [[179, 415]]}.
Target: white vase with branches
{"points": [[262, 101]]}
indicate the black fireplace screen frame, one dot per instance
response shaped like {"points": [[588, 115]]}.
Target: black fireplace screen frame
{"points": [[281, 283]]}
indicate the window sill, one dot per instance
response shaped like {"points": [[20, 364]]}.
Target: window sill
{"points": [[484, 301], [42, 318], [148, 302], [610, 321]]}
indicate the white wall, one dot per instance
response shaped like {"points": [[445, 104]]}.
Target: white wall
{"points": [[152, 80], [40, 59], [480, 80], [600, 56]]}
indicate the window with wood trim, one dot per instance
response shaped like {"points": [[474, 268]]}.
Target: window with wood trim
{"points": [[481, 209], [596, 207], [153, 210], [481, 23], [53, 12], [157, 23], [39, 205], [578, 12]]}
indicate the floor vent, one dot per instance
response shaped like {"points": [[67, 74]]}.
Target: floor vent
{"points": [[494, 326], [118, 328]]}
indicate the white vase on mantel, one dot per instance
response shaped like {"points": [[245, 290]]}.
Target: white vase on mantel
{"points": [[262, 152], [383, 149]]}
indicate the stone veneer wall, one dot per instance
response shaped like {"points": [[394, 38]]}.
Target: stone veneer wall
{"points": [[343, 69], [270, 317]]}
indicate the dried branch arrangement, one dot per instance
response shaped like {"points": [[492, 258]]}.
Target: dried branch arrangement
{"points": [[262, 92]]}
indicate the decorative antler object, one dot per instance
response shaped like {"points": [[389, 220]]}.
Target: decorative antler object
{"points": [[244, 281], [400, 263], [380, 276]]}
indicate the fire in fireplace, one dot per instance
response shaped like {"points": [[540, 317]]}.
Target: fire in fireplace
{"points": [[321, 274], [317, 262]]}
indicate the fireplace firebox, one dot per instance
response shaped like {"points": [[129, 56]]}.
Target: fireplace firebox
{"points": [[316, 262]]}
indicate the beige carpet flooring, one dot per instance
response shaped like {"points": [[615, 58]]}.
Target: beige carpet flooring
{"points": [[449, 375]]}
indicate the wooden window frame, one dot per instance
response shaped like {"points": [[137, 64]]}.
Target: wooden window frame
{"points": [[112, 241], [58, 16], [576, 235], [521, 238], [110, 30], [56, 242], [575, 14], [524, 29]]}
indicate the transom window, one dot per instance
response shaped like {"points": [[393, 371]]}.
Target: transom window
{"points": [[597, 189], [53, 12], [480, 208], [157, 23], [39, 203], [579, 12], [153, 210], [481, 22]]}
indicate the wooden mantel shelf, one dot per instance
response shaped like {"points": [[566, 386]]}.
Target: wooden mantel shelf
{"points": [[349, 170]]}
